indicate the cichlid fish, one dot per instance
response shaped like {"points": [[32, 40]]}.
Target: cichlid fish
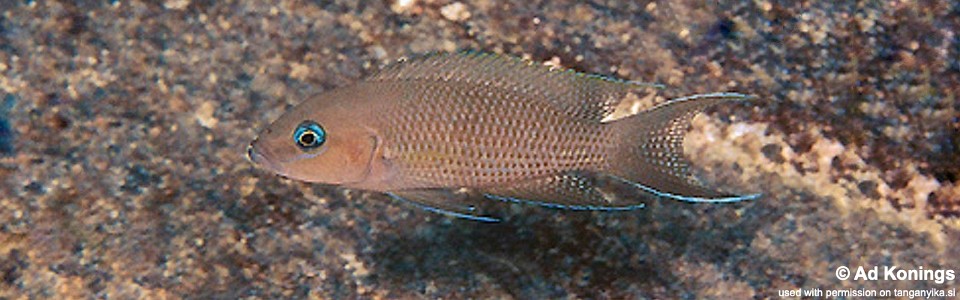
{"points": [[449, 131]]}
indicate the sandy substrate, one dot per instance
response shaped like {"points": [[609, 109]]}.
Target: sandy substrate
{"points": [[123, 126]]}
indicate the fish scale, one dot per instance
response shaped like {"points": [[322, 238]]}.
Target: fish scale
{"points": [[498, 147]]}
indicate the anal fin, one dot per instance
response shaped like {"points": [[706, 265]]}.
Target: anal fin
{"points": [[574, 190], [448, 202]]}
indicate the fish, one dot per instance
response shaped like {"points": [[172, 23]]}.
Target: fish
{"points": [[451, 132]]}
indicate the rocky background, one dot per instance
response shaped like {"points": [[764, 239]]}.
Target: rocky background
{"points": [[123, 126]]}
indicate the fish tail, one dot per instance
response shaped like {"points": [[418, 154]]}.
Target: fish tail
{"points": [[650, 154]]}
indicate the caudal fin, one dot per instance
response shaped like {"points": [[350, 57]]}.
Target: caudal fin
{"points": [[651, 151]]}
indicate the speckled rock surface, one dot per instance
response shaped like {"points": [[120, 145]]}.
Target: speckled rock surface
{"points": [[123, 126]]}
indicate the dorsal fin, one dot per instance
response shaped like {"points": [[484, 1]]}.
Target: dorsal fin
{"points": [[591, 97]]}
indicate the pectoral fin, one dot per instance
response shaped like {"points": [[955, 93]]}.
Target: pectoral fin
{"points": [[449, 202]]}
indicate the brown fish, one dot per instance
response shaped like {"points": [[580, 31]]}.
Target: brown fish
{"points": [[436, 129]]}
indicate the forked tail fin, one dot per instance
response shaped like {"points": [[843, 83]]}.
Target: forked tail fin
{"points": [[651, 151]]}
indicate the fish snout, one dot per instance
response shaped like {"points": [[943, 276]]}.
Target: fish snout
{"points": [[256, 155], [252, 155]]}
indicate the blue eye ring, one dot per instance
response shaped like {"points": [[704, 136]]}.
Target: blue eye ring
{"points": [[309, 135]]}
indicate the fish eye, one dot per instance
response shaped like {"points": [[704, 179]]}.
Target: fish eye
{"points": [[309, 135]]}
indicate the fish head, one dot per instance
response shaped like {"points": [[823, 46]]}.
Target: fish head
{"points": [[317, 141]]}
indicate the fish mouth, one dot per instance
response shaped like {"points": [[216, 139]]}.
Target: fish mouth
{"points": [[260, 158], [253, 156]]}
